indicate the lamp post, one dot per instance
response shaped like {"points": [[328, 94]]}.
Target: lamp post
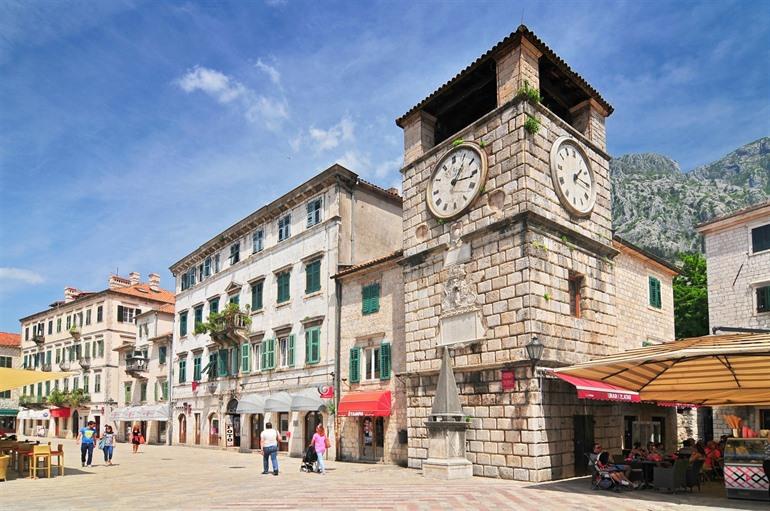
{"points": [[534, 350]]}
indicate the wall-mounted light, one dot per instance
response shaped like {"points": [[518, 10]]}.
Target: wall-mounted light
{"points": [[534, 350]]}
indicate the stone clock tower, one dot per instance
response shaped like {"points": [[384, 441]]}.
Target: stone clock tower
{"points": [[507, 237]]}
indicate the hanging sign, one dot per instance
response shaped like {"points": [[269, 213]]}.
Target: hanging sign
{"points": [[229, 435], [508, 379]]}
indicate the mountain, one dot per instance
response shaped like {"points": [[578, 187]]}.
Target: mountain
{"points": [[657, 206]]}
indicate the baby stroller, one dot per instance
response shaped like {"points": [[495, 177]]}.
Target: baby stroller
{"points": [[600, 479], [308, 460]]}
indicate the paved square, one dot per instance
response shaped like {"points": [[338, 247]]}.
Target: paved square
{"points": [[191, 478]]}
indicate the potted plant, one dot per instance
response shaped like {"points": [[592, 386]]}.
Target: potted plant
{"points": [[75, 332], [77, 397]]}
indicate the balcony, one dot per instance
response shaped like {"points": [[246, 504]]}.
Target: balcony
{"points": [[33, 402], [230, 327], [75, 332], [136, 365], [38, 339], [64, 365], [45, 366], [85, 363]]}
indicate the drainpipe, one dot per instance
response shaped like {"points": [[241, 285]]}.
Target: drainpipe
{"points": [[170, 383], [337, 375]]}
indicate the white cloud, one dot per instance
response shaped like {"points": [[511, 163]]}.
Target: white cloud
{"points": [[343, 131], [272, 111], [273, 73], [388, 168], [355, 161], [26, 276]]}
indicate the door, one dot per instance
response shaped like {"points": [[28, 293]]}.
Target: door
{"points": [[583, 430], [213, 430], [312, 419], [75, 423], [56, 426], [706, 422], [197, 429], [372, 438], [257, 425], [183, 429], [628, 432], [98, 420], [284, 431]]}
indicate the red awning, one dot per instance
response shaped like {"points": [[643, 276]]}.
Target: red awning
{"points": [[360, 404], [592, 389]]}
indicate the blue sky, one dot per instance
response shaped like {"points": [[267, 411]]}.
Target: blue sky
{"points": [[133, 131]]}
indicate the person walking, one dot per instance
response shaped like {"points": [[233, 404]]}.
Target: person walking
{"points": [[107, 443], [87, 436], [320, 443], [269, 438], [136, 438]]}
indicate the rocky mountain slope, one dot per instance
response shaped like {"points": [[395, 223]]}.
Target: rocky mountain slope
{"points": [[657, 206]]}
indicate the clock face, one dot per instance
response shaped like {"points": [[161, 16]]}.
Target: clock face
{"points": [[573, 177], [457, 180]]}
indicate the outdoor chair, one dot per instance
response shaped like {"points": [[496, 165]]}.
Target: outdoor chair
{"points": [[4, 461], [693, 475], [671, 478], [618, 459], [40, 452], [23, 456], [59, 455]]}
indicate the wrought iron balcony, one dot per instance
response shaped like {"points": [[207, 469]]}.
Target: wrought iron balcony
{"points": [[85, 362], [136, 365], [230, 328], [64, 365]]}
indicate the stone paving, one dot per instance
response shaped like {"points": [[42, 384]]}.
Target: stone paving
{"points": [[192, 478]]}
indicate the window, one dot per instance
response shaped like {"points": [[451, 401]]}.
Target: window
{"points": [[198, 315], [655, 292], [760, 239], [127, 391], [85, 383], [257, 358], [258, 240], [97, 382], [236, 299], [66, 385], [207, 267], [99, 314], [26, 332], [216, 263], [127, 314], [763, 299], [100, 348], [50, 326], [211, 368], [47, 388], [197, 368], [88, 317], [314, 212], [575, 286], [284, 227], [188, 278], [370, 295], [182, 324], [268, 354], [355, 365], [286, 351], [312, 345], [182, 370], [313, 277], [764, 419], [214, 305], [6, 362], [371, 364], [164, 389], [69, 322], [143, 392], [58, 325], [162, 352], [245, 358], [283, 286], [222, 360], [235, 252], [256, 295]]}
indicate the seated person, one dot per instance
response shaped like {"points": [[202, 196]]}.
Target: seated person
{"points": [[636, 453], [712, 456], [654, 455], [616, 472], [698, 453], [687, 449]]}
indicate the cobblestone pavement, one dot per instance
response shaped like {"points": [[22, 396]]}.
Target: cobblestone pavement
{"points": [[191, 478]]}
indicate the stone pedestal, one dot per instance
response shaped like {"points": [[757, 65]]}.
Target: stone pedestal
{"points": [[446, 451]]}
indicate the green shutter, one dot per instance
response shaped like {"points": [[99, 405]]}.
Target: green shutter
{"points": [[155, 390], [355, 365], [263, 355], [245, 354], [384, 360], [222, 363], [256, 296], [313, 345], [655, 299], [370, 298], [291, 350], [313, 277], [283, 287], [197, 368]]}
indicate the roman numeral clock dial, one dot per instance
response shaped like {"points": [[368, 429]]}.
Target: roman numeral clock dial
{"points": [[457, 180], [573, 177]]}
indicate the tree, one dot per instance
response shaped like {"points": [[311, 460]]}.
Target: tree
{"points": [[691, 309]]}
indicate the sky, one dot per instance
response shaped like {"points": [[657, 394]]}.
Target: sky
{"points": [[131, 132]]}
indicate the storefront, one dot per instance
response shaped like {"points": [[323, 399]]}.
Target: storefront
{"points": [[8, 420], [151, 420], [367, 434]]}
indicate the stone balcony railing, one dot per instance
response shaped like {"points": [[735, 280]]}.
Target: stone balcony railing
{"points": [[32, 401], [75, 332], [45, 366], [136, 365], [65, 365], [230, 328], [38, 339], [85, 362]]}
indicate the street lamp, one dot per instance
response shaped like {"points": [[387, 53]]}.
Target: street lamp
{"points": [[534, 350]]}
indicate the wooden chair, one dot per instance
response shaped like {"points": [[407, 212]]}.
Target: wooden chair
{"points": [[59, 455], [23, 456], [4, 461], [40, 452]]}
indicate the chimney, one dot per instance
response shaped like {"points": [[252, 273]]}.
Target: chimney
{"points": [[116, 282], [134, 277], [154, 281], [70, 293]]}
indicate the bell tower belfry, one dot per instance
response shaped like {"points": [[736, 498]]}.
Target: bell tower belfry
{"points": [[507, 222]]}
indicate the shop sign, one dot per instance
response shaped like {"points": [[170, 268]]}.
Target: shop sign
{"points": [[508, 379], [229, 435]]}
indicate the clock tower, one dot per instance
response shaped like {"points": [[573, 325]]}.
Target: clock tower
{"points": [[507, 239]]}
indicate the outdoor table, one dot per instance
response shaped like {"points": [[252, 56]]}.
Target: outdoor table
{"points": [[648, 467]]}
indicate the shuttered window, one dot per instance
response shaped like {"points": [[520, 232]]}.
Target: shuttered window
{"points": [[355, 365], [284, 227], [313, 277], [182, 370], [222, 363], [284, 280], [214, 305], [182, 324], [197, 368], [384, 360], [290, 351], [246, 358], [763, 299], [268, 354], [256, 295], [312, 345], [370, 298], [198, 315], [760, 238], [655, 292]]}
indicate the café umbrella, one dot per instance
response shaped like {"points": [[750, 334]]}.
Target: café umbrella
{"points": [[15, 378]]}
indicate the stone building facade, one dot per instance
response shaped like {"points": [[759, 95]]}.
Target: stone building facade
{"points": [[78, 334], [371, 417], [528, 261], [738, 271], [144, 387], [275, 266], [10, 356]]}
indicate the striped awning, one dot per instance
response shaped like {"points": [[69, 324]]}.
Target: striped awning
{"points": [[713, 370]]}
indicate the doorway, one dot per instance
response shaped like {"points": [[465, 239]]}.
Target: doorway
{"points": [[257, 425], [372, 438], [234, 420], [98, 420], [312, 419], [183, 429], [75, 423], [197, 429], [583, 430], [628, 432], [213, 430]]}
